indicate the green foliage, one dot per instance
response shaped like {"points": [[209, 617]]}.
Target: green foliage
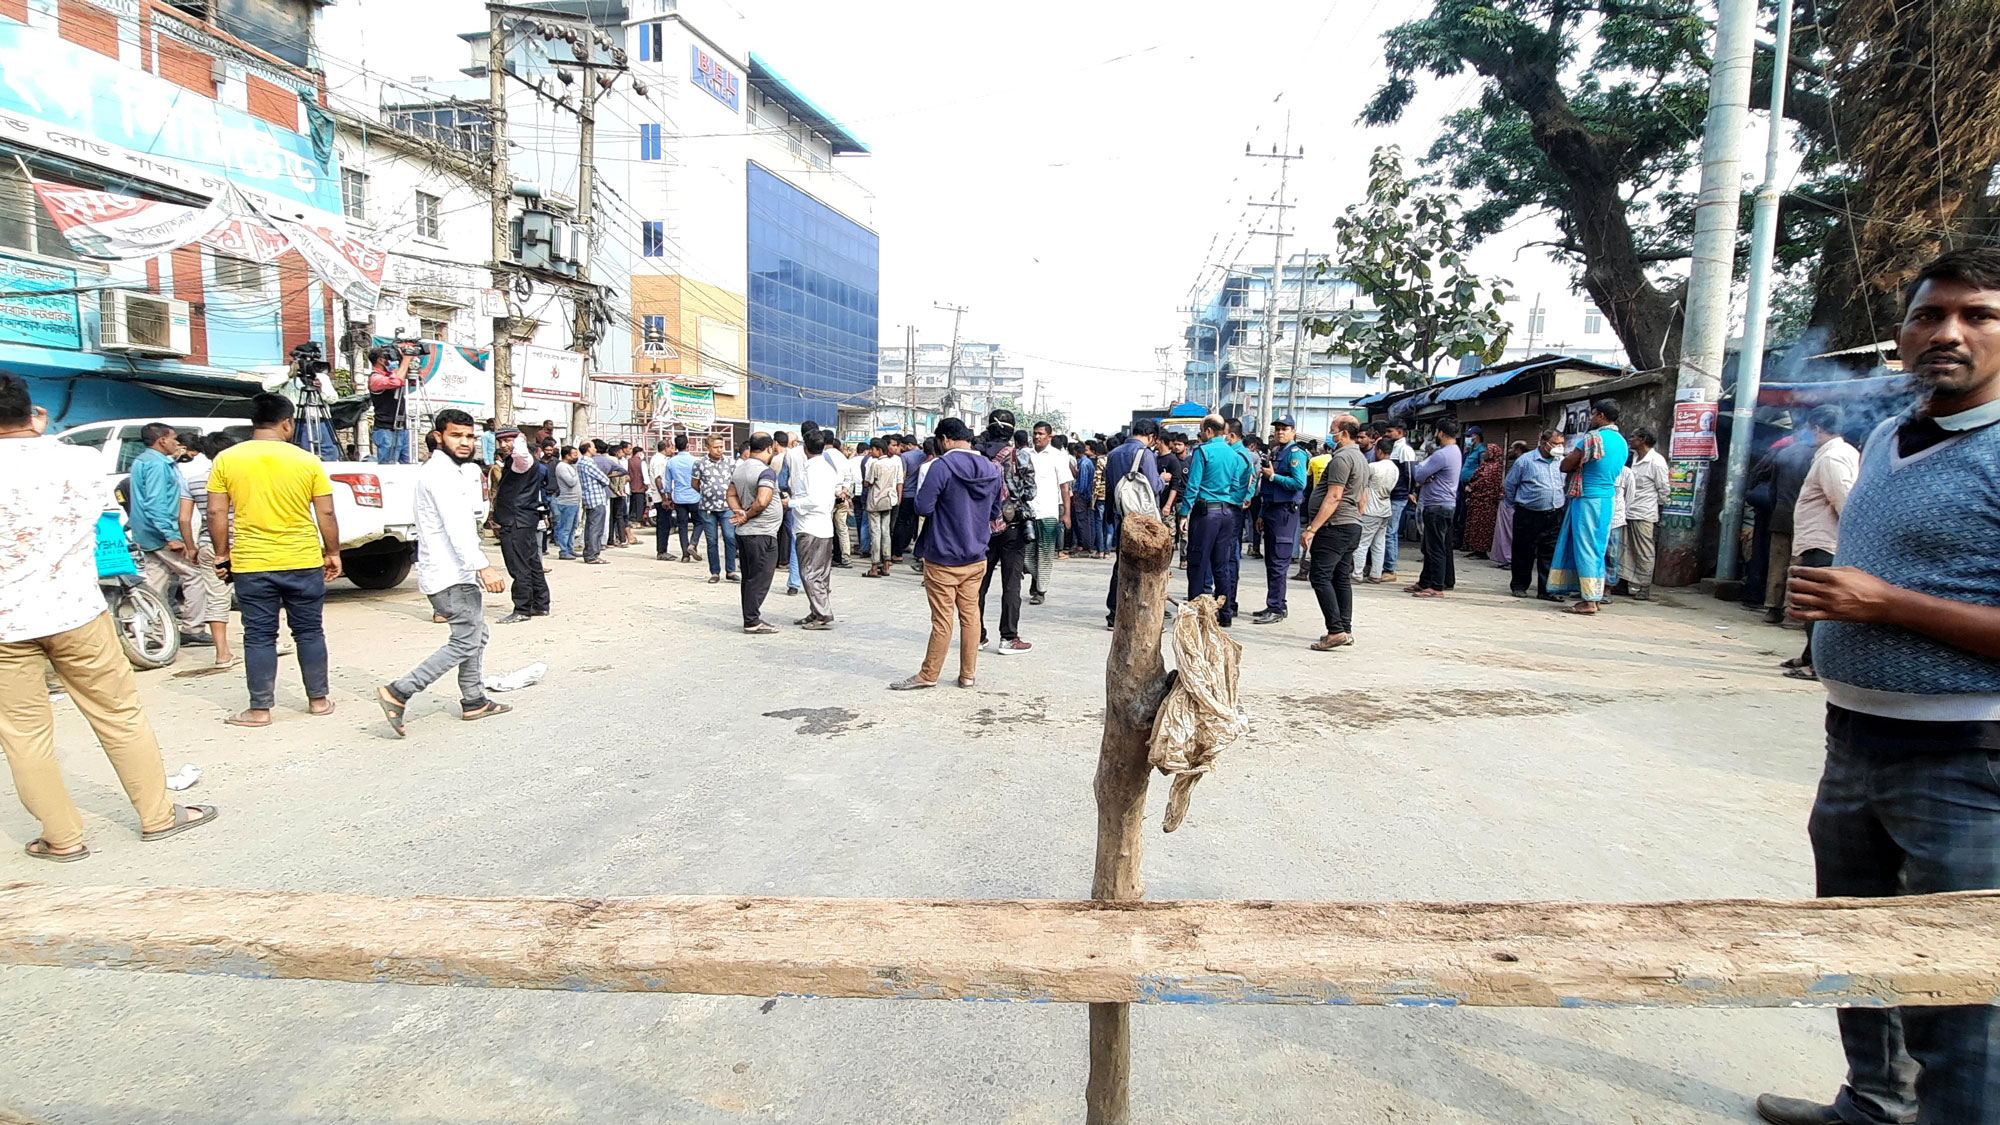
{"points": [[1025, 418], [1404, 249]]}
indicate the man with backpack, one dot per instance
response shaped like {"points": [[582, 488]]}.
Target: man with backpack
{"points": [[1007, 551], [1135, 456]]}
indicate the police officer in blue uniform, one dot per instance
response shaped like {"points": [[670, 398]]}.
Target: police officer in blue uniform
{"points": [[1284, 486]]}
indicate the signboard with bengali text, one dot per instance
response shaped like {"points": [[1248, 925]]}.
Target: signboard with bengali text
{"points": [[51, 321]]}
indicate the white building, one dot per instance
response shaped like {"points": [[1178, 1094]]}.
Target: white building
{"points": [[1227, 346], [736, 243], [912, 400]]}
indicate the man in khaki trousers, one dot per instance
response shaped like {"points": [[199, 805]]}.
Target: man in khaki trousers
{"points": [[51, 613]]}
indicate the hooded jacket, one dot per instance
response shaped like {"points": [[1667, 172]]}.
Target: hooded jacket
{"points": [[961, 498]]}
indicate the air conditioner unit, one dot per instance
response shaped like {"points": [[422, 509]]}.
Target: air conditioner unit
{"points": [[144, 323]]}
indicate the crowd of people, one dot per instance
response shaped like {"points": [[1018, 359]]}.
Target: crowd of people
{"points": [[1885, 550]]}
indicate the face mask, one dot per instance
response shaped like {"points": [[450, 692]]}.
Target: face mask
{"points": [[1556, 450]]}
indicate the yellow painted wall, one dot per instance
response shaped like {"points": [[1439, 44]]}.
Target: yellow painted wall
{"points": [[684, 302]]}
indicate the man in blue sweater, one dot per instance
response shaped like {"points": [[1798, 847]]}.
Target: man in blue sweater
{"points": [[1908, 646], [960, 500], [163, 527]]}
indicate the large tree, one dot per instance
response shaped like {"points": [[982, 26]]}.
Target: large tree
{"points": [[1592, 112], [1405, 249]]}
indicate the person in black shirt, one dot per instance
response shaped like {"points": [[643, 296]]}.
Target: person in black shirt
{"points": [[517, 513]]}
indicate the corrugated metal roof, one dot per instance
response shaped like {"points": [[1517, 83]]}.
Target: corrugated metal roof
{"points": [[1479, 384]]}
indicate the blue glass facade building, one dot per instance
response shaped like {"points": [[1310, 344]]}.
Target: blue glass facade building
{"points": [[815, 283]]}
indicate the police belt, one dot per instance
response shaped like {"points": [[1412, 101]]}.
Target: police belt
{"points": [[1203, 507], [1281, 505]]}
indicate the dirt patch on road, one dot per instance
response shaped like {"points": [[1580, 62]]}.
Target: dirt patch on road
{"points": [[821, 720], [1368, 709]]}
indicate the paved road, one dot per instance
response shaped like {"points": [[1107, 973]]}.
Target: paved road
{"points": [[1473, 748]]}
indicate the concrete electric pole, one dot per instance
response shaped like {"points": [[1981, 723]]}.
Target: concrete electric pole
{"points": [[1705, 329], [951, 364], [910, 379], [1284, 156], [499, 191], [1756, 310]]}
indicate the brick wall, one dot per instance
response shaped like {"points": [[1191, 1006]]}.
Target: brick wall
{"points": [[87, 26], [294, 300], [186, 67], [188, 287], [273, 103]]}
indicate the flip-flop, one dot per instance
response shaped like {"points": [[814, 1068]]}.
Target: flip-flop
{"points": [[912, 684], [181, 821], [52, 856], [392, 707], [237, 720], [1794, 662], [1427, 593], [1802, 673], [1579, 609], [488, 711], [319, 714], [963, 682]]}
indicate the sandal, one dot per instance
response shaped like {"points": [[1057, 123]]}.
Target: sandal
{"points": [[1427, 593], [1795, 662], [1803, 672], [238, 720], [392, 707], [965, 681], [312, 708], [912, 684], [1582, 609], [486, 711], [45, 852], [182, 822]]}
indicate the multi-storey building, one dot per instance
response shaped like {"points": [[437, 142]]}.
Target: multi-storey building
{"points": [[159, 102], [913, 398], [723, 213], [1227, 345]]}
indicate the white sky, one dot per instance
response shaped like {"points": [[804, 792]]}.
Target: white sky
{"points": [[1063, 169]]}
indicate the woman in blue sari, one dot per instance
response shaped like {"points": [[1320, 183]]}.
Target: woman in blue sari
{"points": [[1593, 465]]}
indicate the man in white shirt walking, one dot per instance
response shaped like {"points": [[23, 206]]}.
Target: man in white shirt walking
{"points": [[815, 491], [1050, 508], [1642, 514], [451, 571], [1836, 465], [51, 612]]}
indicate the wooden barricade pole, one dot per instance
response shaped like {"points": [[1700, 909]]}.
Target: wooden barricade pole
{"points": [[1135, 681]]}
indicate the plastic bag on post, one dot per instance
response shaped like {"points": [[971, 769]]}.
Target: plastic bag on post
{"points": [[1200, 714]]}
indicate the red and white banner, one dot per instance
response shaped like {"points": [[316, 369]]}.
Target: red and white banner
{"points": [[353, 267], [111, 227]]}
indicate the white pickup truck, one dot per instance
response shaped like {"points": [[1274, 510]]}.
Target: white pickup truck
{"points": [[372, 503]]}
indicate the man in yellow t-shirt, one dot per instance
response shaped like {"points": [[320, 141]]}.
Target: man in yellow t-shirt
{"points": [[276, 538]]}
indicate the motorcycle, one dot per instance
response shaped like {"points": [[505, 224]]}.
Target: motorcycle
{"points": [[148, 630]]}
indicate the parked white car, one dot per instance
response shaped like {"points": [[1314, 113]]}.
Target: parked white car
{"points": [[373, 503]]}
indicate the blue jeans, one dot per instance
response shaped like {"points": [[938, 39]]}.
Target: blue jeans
{"points": [[260, 594], [566, 517], [864, 531], [392, 447], [793, 579], [1920, 824], [1396, 509], [714, 524]]}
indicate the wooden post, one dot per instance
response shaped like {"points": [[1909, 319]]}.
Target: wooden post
{"points": [[1135, 681]]}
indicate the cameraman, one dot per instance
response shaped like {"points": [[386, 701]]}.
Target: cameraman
{"points": [[386, 383]]}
